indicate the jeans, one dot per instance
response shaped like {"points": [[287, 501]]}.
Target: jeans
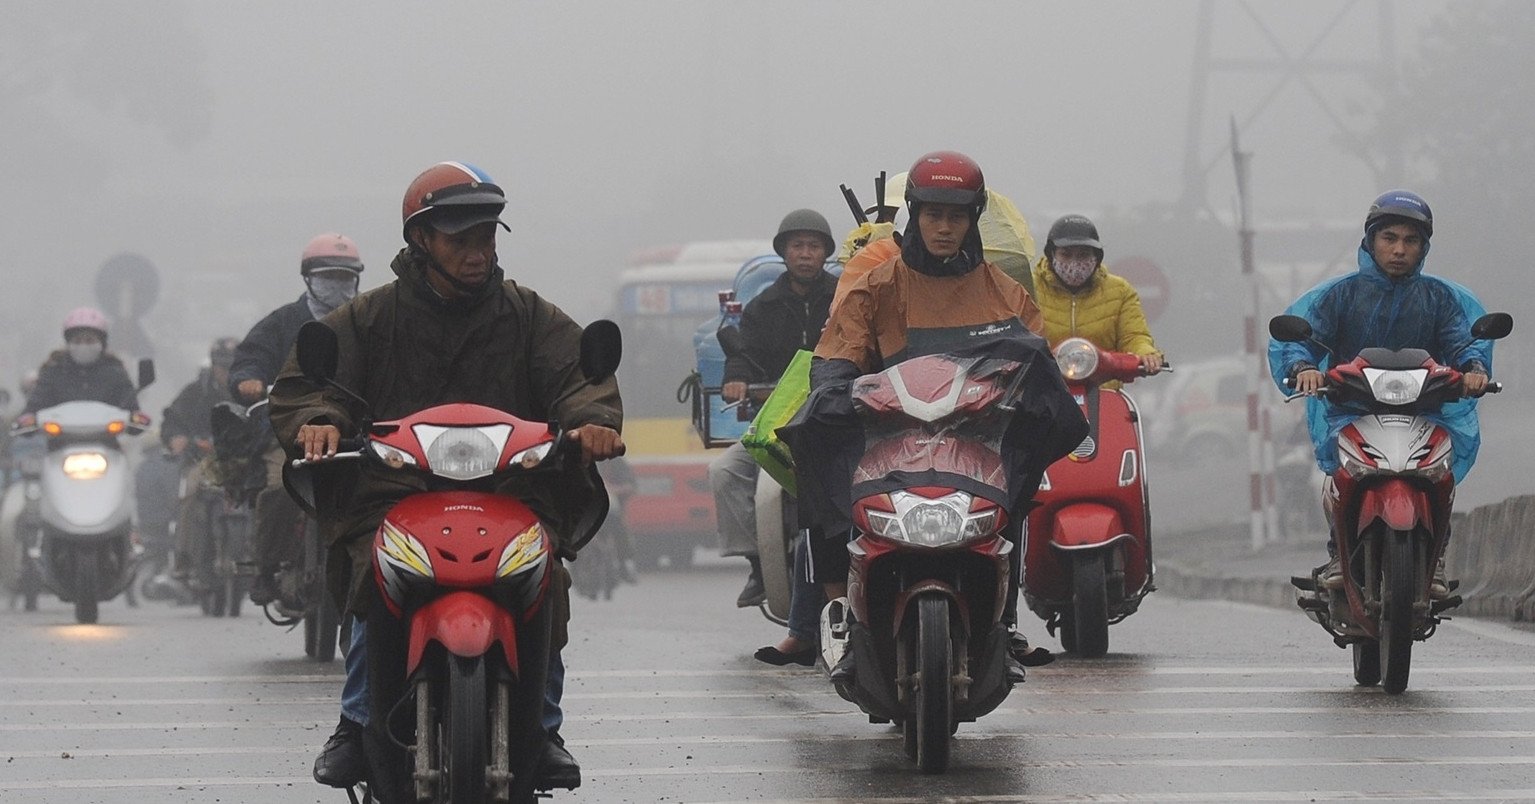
{"points": [[805, 596], [354, 692]]}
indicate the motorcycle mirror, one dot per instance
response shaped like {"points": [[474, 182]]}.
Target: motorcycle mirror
{"points": [[146, 373], [1289, 328], [1492, 326], [317, 352], [731, 341], [602, 349]]}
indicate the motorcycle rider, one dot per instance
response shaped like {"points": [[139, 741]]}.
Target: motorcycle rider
{"points": [[935, 295], [1080, 298], [331, 267], [450, 328], [785, 317], [186, 430], [83, 370], [1389, 302]]}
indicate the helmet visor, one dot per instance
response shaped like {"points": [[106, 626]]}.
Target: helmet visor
{"points": [[455, 219]]}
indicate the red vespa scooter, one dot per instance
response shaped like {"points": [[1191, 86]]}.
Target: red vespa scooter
{"points": [[467, 573], [1087, 563]]}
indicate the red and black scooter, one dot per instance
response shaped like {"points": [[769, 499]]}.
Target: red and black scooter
{"points": [[1087, 563], [1389, 502], [467, 573], [929, 567]]}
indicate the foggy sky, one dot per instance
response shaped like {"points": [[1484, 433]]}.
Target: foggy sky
{"points": [[616, 126]]}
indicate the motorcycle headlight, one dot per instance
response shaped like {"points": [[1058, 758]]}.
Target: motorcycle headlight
{"points": [[1395, 387], [882, 524], [1077, 357], [932, 524], [462, 453], [85, 465]]}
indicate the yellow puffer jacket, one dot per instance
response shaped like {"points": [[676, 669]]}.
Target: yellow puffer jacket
{"points": [[1106, 311]]}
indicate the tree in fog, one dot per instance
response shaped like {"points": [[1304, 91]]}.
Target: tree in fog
{"points": [[1463, 111]]}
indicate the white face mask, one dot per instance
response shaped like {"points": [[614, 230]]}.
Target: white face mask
{"points": [[1074, 273], [332, 289], [85, 353]]}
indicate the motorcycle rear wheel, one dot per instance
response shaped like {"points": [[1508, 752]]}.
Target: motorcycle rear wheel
{"points": [[87, 568], [932, 698], [465, 731], [1089, 606], [1366, 662], [1398, 592]]}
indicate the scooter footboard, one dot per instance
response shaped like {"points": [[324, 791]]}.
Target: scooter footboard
{"points": [[988, 676], [465, 624]]}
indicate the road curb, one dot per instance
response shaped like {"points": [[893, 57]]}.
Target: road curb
{"points": [[1186, 582]]}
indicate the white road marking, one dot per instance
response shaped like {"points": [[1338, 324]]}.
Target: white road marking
{"points": [[1501, 633]]}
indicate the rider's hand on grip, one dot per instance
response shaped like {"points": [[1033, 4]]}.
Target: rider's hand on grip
{"points": [[597, 443], [1474, 383], [318, 441]]}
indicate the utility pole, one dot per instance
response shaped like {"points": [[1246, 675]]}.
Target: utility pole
{"points": [[1263, 518]]}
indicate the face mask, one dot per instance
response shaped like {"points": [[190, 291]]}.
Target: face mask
{"points": [[1074, 273], [332, 289], [85, 353]]}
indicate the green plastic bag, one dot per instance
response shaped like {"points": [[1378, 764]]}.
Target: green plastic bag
{"points": [[761, 441]]}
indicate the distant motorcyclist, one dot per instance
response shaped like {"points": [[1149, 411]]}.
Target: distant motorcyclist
{"points": [[1081, 299], [186, 430], [331, 267], [938, 294], [82, 371], [450, 328], [1389, 303], [784, 318]]}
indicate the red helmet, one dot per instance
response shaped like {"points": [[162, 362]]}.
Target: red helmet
{"points": [[330, 250], [946, 177], [452, 196]]}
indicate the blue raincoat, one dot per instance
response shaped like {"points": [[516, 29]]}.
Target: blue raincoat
{"points": [[1369, 309]]}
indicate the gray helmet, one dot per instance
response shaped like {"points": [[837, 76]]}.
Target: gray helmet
{"points": [[804, 220], [1073, 230]]}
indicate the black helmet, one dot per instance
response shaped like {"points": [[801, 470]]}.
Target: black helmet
{"points": [[222, 352], [804, 220], [1408, 206], [1073, 230]]}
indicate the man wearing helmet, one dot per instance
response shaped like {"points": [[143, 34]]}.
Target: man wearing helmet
{"points": [[186, 430], [450, 328], [1080, 298], [82, 370], [937, 295], [1387, 303], [784, 318], [331, 267]]}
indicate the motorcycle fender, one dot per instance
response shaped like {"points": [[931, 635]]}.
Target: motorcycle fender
{"points": [[1397, 503], [465, 624], [1086, 524], [903, 601]]}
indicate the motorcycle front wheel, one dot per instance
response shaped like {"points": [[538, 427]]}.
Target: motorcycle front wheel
{"points": [[87, 568], [465, 732], [1089, 605], [929, 729], [1398, 592]]}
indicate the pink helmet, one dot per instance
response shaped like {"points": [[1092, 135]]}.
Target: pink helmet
{"points": [[330, 250], [85, 318]]}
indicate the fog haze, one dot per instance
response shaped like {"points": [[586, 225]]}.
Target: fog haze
{"points": [[216, 138]]}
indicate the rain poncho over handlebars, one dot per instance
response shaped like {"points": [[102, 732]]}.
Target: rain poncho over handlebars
{"points": [[1369, 309], [842, 437]]}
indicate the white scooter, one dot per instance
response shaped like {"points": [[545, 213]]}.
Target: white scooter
{"points": [[79, 536]]}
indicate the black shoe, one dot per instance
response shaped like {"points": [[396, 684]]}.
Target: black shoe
{"points": [[1018, 649], [557, 768], [1014, 671], [843, 672], [772, 655], [263, 589], [341, 762], [754, 594]]}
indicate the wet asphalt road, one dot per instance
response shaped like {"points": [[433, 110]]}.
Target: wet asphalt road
{"points": [[1198, 701]]}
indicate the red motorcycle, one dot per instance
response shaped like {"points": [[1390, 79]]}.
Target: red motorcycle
{"points": [[1087, 564], [467, 573], [1389, 502], [929, 567]]}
